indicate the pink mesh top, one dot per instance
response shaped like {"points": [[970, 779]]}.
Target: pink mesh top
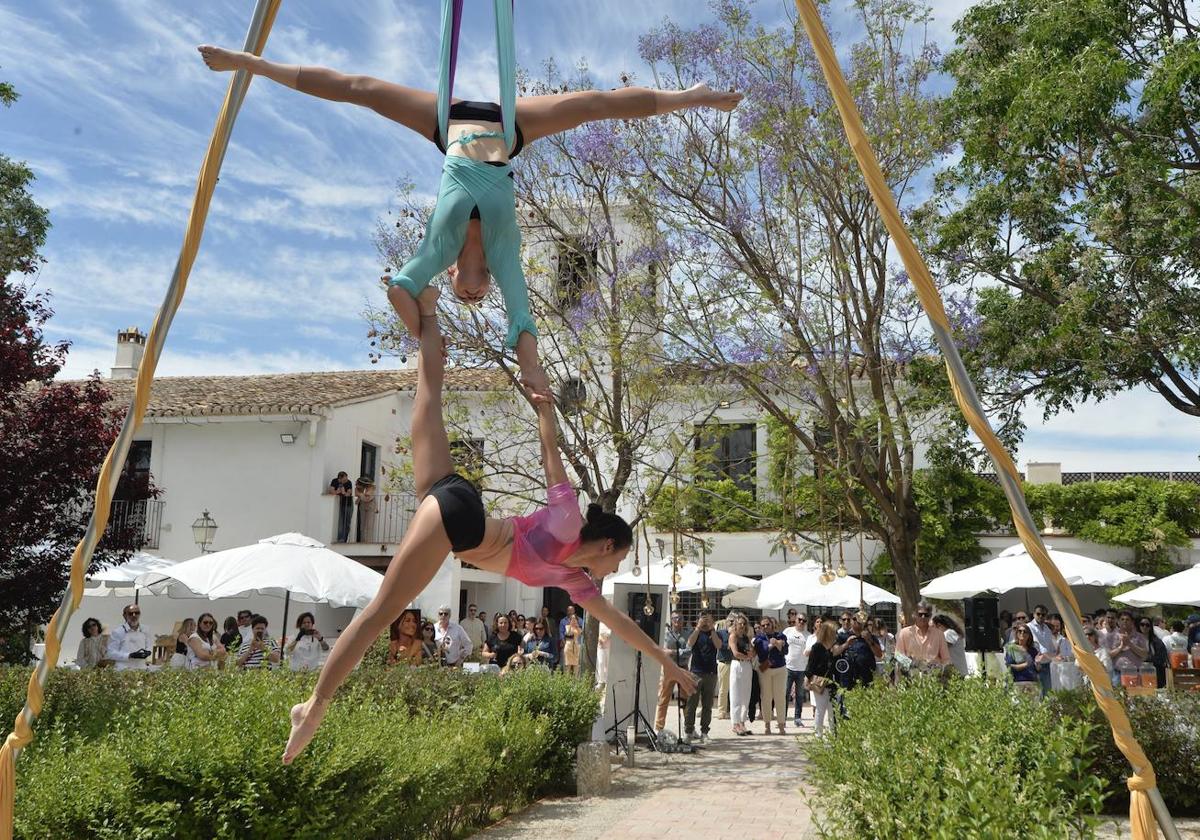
{"points": [[547, 537]]}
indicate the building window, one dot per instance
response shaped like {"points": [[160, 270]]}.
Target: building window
{"points": [[728, 451], [368, 461], [134, 482], [576, 271]]}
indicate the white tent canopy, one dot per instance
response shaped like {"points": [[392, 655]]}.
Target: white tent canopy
{"points": [[1179, 588], [118, 581], [692, 578], [1015, 569], [287, 564], [800, 585]]}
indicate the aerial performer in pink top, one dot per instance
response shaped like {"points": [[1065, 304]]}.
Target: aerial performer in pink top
{"points": [[473, 231], [553, 546]]}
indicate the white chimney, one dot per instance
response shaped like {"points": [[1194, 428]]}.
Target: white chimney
{"points": [[131, 344], [1046, 472]]}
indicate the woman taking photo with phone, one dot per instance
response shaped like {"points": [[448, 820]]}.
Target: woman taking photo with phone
{"points": [[304, 651]]}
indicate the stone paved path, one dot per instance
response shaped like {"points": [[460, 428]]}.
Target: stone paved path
{"points": [[672, 796], [677, 796]]}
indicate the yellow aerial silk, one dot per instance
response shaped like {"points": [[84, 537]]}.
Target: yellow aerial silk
{"points": [[1145, 799], [22, 734]]}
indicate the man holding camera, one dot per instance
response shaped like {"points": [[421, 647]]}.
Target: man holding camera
{"points": [[705, 644], [259, 646], [676, 646], [452, 640], [129, 646]]}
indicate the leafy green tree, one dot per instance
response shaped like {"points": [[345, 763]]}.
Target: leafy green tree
{"points": [[53, 435], [1076, 201], [956, 506], [23, 224], [782, 280]]}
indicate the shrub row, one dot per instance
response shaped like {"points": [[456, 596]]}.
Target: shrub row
{"points": [[402, 753], [1168, 728], [964, 759]]}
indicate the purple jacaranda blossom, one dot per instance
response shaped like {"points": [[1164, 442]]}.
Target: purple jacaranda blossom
{"points": [[585, 311], [598, 144], [965, 320]]}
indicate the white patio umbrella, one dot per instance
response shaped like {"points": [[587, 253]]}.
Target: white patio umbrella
{"points": [[691, 577], [1179, 588], [800, 585], [1015, 569], [290, 566], [118, 581]]}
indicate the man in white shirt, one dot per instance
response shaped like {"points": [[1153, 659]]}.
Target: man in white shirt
{"points": [[453, 642], [129, 646], [474, 627], [796, 661], [1043, 638]]}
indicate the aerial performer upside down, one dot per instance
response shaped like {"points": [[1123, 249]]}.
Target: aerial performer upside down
{"points": [[553, 546], [473, 231]]}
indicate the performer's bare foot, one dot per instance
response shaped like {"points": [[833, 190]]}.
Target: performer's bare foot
{"points": [[306, 717], [719, 99], [220, 59]]}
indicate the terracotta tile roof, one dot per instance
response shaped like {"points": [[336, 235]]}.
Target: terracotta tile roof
{"points": [[287, 393]]}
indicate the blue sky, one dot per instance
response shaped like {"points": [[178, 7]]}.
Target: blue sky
{"points": [[116, 111]]}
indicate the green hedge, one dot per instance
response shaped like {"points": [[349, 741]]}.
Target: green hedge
{"points": [[1167, 727], [967, 759], [402, 753]]}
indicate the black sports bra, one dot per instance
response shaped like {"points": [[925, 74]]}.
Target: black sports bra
{"points": [[481, 112]]}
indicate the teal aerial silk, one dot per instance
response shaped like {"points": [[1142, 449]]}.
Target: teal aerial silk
{"points": [[468, 184]]}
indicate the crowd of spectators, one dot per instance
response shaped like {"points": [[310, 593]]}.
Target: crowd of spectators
{"points": [[505, 642], [196, 645], [1037, 647], [744, 670]]}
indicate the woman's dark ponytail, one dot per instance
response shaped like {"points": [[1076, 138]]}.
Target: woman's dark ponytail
{"points": [[602, 525]]}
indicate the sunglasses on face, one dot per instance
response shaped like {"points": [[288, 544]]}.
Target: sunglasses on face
{"points": [[922, 615], [1019, 618], [443, 613]]}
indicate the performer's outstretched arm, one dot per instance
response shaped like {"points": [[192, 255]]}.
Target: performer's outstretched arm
{"points": [[415, 109]]}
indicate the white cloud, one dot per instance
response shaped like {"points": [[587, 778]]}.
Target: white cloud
{"points": [[1134, 430]]}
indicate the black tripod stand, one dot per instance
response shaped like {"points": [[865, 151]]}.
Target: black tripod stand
{"points": [[618, 728]]}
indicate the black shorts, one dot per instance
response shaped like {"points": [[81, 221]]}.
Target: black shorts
{"points": [[463, 515]]}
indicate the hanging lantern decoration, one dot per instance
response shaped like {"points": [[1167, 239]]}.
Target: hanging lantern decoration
{"points": [[674, 598], [841, 570], [648, 609], [704, 602]]}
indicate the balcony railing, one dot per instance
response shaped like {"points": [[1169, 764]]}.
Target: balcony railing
{"points": [[135, 525], [383, 522]]}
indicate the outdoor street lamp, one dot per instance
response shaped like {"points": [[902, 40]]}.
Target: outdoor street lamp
{"points": [[203, 531]]}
